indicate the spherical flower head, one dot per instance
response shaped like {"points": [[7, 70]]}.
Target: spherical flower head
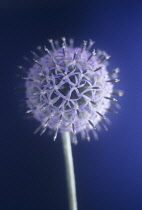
{"points": [[70, 89]]}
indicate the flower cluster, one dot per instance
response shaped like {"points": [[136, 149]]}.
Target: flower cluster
{"points": [[70, 89]]}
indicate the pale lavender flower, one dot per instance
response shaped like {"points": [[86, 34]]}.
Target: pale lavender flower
{"points": [[70, 89]]}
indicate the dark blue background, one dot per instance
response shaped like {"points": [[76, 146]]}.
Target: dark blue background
{"points": [[108, 171]]}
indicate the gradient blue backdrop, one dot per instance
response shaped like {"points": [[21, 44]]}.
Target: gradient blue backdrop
{"points": [[108, 172]]}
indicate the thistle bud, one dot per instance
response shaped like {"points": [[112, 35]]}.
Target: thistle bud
{"points": [[70, 89]]}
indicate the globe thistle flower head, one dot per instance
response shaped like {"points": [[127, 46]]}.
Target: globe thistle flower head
{"points": [[70, 89]]}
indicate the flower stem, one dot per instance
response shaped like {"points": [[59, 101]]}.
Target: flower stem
{"points": [[69, 170]]}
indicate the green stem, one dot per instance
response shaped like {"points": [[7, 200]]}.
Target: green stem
{"points": [[69, 170]]}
